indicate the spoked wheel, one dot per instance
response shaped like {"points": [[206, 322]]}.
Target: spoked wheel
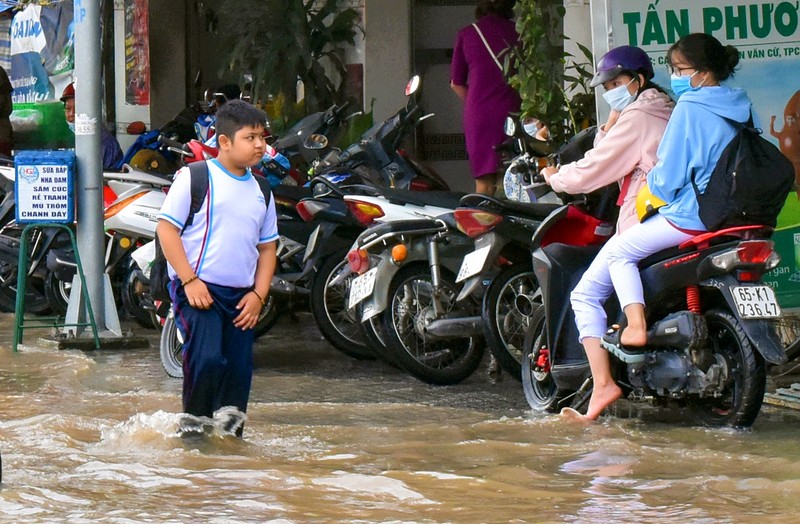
{"points": [[336, 322], [268, 316], [57, 292], [411, 307], [743, 391], [508, 307], [372, 330], [134, 303], [35, 299], [171, 348], [537, 382]]}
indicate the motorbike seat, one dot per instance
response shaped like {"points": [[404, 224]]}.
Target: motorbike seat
{"points": [[444, 199], [291, 192], [505, 207]]}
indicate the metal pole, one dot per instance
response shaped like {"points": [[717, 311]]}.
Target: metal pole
{"points": [[88, 119]]}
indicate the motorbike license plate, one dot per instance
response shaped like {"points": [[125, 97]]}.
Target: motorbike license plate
{"points": [[473, 263], [756, 302], [361, 287]]}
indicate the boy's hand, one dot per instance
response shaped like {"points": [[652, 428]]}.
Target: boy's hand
{"points": [[198, 295], [249, 309]]}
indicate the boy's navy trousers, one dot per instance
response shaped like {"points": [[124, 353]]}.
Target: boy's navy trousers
{"points": [[217, 356]]}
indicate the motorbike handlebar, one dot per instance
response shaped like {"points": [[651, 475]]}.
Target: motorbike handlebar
{"points": [[173, 145]]}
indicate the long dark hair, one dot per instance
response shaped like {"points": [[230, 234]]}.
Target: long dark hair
{"points": [[706, 53], [648, 81], [504, 8]]}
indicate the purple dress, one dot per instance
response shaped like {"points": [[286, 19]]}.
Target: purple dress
{"points": [[489, 98]]}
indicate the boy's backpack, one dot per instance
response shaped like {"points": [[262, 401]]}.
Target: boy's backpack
{"points": [[159, 275], [749, 184]]}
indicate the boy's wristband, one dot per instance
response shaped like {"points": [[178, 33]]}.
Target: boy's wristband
{"points": [[187, 281], [263, 302]]}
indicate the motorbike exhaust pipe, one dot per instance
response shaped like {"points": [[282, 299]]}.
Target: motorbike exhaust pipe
{"points": [[447, 328], [283, 288]]}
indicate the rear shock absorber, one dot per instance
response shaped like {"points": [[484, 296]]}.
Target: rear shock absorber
{"points": [[693, 299]]}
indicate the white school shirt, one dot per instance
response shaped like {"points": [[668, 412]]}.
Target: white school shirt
{"points": [[221, 243]]}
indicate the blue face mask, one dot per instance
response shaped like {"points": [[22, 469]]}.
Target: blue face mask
{"points": [[682, 84], [619, 98], [71, 126]]}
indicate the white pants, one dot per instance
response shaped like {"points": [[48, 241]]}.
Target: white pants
{"points": [[616, 269]]}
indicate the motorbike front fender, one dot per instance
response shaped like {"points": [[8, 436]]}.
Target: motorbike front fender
{"points": [[761, 332]]}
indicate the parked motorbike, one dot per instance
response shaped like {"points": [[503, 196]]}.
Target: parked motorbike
{"points": [[405, 293], [503, 233], [377, 160], [710, 314]]}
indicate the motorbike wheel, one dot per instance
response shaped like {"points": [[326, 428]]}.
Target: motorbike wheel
{"points": [[171, 348], [133, 303], [410, 305], [538, 385], [57, 292], [741, 399], [268, 316], [329, 306], [35, 300], [508, 306]]}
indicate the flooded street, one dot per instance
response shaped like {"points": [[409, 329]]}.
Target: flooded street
{"points": [[90, 437]]}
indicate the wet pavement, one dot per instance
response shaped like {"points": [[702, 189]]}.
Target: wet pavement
{"points": [[90, 437]]}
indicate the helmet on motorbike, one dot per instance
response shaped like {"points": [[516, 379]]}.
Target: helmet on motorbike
{"points": [[619, 60], [647, 203]]}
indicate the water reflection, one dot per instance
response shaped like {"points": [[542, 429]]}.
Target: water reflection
{"points": [[91, 437]]}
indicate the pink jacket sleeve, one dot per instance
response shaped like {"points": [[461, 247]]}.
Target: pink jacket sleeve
{"points": [[615, 155]]}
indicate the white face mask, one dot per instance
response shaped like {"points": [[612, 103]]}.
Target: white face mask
{"points": [[619, 98], [531, 128]]}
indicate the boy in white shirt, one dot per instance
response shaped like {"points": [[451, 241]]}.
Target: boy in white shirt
{"points": [[221, 265]]}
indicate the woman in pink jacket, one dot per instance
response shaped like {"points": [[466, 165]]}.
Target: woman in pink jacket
{"points": [[625, 146]]}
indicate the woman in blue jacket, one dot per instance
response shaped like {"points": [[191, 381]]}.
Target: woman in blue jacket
{"points": [[693, 141]]}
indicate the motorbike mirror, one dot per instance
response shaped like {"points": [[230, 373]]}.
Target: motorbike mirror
{"points": [[510, 126], [412, 85], [315, 142]]}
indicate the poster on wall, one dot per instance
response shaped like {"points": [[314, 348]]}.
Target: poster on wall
{"points": [[767, 36], [137, 53], [42, 52]]}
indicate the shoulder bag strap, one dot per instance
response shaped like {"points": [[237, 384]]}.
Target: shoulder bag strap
{"points": [[483, 38]]}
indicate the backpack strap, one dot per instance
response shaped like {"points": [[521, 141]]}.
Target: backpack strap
{"points": [[263, 185], [199, 189]]}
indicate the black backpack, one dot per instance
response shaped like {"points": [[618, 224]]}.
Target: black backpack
{"points": [[159, 275], [749, 184]]}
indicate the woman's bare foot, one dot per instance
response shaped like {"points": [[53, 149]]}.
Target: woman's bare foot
{"points": [[602, 397], [633, 337], [573, 416]]}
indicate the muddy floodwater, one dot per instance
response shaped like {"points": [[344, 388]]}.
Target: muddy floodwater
{"points": [[90, 437]]}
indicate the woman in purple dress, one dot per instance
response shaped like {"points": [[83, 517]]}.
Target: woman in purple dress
{"points": [[477, 78]]}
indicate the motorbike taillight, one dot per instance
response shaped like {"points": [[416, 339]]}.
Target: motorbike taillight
{"points": [[307, 209], [746, 255], [476, 222], [364, 212], [358, 259], [755, 251]]}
